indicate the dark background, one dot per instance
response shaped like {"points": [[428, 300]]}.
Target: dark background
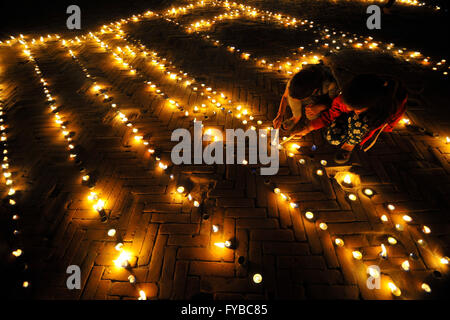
{"points": [[50, 16]]}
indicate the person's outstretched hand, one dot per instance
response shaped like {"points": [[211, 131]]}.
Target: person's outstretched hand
{"points": [[277, 121]]}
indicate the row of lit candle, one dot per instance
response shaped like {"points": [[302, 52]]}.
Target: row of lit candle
{"points": [[138, 137], [213, 98], [98, 204], [341, 39], [358, 255], [286, 66], [413, 3], [163, 65], [9, 182]]}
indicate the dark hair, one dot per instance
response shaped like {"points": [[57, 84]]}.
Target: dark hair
{"points": [[376, 93], [305, 82]]}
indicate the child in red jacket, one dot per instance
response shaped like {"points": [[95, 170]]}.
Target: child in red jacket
{"points": [[369, 104]]}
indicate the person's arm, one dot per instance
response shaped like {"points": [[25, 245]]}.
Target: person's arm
{"points": [[283, 103], [281, 110]]}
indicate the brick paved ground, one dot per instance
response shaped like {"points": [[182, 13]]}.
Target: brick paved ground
{"points": [[171, 241]]}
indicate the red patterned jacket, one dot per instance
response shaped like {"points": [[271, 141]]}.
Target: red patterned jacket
{"points": [[339, 107]]}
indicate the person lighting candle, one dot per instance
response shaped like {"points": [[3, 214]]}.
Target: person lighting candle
{"points": [[369, 104]]}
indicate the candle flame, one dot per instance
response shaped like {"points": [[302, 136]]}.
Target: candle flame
{"points": [[394, 289], [142, 295], [405, 265], [383, 251], [122, 259], [348, 179]]}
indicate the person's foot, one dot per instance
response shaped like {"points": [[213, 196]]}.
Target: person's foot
{"points": [[342, 156]]}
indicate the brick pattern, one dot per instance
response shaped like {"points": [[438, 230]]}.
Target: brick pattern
{"points": [[174, 256]]}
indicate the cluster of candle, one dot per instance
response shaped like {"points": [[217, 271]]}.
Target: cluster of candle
{"points": [[358, 255], [286, 66], [138, 136], [414, 3], [329, 40], [122, 260], [7, 175], [161, 65], [206, 24], [98, 204], [213, 98], [10, 185]]}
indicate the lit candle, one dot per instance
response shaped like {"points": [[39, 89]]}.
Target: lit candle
{"points": [[392, 240], [309, 215], [142, 295], [405, 265], [375, 273], [180, 189], [293, 205], [383, 253], [339, 242], [426, 230], [17, 253], [407, 218], [257, 278], [347, 181], [368, 192], [357, 255], [122, 260], [425, 287], [352, 197], [394, 289]]}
